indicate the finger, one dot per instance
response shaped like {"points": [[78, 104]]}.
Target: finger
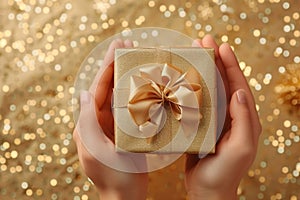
{"points": [[241, 125], [234, 74], [236, 80], [108, 59], [192, 160], [88, 127], [242, 135], [90, 134], [100, 86], [208, 41], [222, 82], [105, 117], [98, 145]]}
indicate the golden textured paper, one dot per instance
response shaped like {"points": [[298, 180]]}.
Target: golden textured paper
{"points": [[255, 29], [127, 59]]}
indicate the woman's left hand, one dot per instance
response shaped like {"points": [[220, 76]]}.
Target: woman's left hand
{"points": [[95, 123]]}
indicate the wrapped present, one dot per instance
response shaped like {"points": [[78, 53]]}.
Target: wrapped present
{"points": [[164, 100]]}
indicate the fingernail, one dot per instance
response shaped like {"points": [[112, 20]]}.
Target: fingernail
{"points": [[85, 97], [196, 44], [127, 43], [119, 40], [228, 46], [241, 96]]}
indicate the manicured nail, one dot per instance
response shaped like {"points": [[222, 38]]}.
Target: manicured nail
{"points": [[196, 44], [128, 43], [241, 96], [119, 40], [85, 97], [228, 46]]}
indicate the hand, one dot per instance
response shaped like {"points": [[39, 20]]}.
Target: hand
{"points": [[96, 109], [218, 175]]}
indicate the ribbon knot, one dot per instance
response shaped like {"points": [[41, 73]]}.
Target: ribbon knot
{"points": [[158, 85]]}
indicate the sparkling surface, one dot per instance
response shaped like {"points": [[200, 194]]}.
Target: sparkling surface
{"points": [[43, 42]]}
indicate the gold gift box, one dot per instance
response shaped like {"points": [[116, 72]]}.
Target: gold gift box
{"points": [[127, 61]]}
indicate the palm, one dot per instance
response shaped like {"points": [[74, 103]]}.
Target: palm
{"points": [[215, 170]]}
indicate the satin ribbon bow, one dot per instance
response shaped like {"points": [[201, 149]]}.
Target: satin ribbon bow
{"points": [[158, 85]]}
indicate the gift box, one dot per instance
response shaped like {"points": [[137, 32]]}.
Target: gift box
{"points": [[164, 100]]}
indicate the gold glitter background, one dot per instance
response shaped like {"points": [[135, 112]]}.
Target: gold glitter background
{"points": [[43, 42]]}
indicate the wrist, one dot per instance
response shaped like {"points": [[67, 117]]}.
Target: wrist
{"points": [[121, 195], [212, 195]]}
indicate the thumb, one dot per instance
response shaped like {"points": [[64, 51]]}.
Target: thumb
{"points": [[241, 128], [89, 130], [99, 145]]}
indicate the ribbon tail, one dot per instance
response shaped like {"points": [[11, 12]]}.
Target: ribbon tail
{"points": [[190, 121], [150, 128]]}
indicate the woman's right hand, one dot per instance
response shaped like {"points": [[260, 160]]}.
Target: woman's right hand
{"points": [[218, 175]]}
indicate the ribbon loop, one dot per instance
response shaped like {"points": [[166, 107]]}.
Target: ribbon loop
{"points": [[157, 85]]}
